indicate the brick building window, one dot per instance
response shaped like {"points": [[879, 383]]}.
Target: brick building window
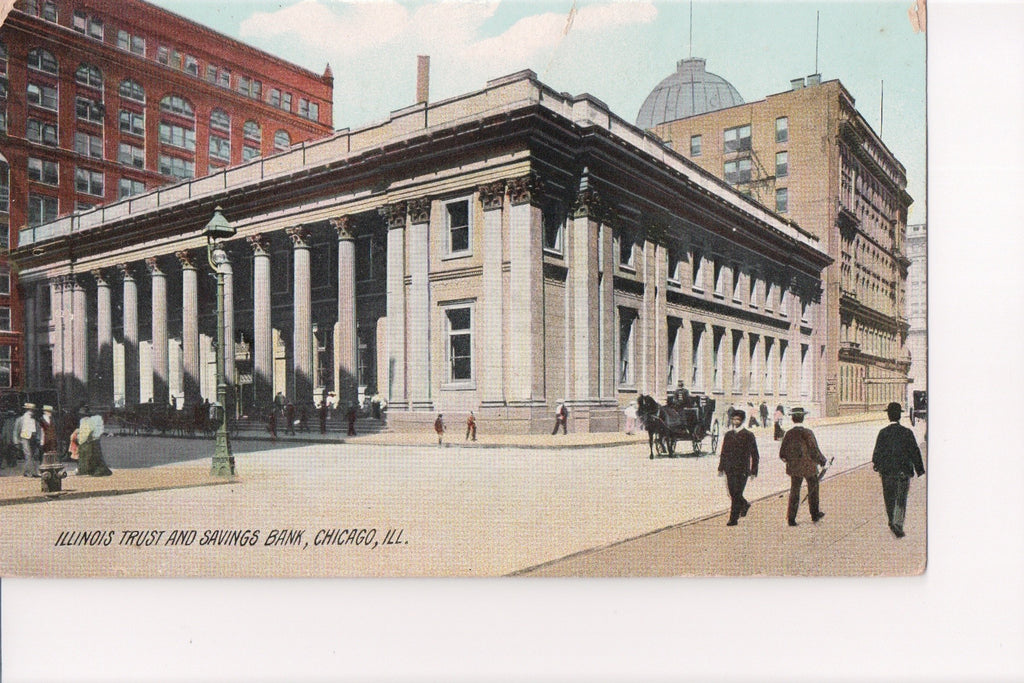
{"points": [[5, 319], [174, 104], [696, 143], [782, 129], [129, 43], [5, 366], [737, 139], [45, 9], [190, 65], [126, 187], [737, 171], [5, 196], [41, 209], [177, 168], [250, 87], [5, 281], [43, 171], [220, 148], [131, 155], [89, 109], [281, 100], [282, 140], [782, 200], [89, 145], [43, 132], [42, 60], [252, 136], [130, 90], [177, 136], [43, 96], [220, 120], [89, 75], [781, 164], [309, 110], [89, 182], [132, 122], [3, 58]]}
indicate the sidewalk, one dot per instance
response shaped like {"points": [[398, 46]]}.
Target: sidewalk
{"points": [[852, 540]]}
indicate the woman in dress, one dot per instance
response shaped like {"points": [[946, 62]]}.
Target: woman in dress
{"points": [[90, 455]]}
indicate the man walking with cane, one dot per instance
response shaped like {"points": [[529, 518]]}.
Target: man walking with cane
{"points": [[896, 458], [802, 456]]}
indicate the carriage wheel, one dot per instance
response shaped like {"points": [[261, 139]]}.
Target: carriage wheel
{"points": [[714, 436]]}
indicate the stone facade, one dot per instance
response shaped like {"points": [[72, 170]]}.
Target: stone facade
{"points": [[497, 252]]}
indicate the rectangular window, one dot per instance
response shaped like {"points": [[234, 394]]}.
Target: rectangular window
{"points": [[5, 366], [89, 182], [220, 148], [782, 129], [41, 132], [737, 344], [737, 139], [673, 352], [782, 200], [781, 164], [95, 28], [718, 271], [718, 357], [41, 209], [627, 252], [132, 122], [249, 152], [130, 155], [736, 278], [674, 266], [753, 290], [5, 318], [695, 145], [224, 78], [554, 227], [783, 363], [130, 43], [89, 145], [286, 101], [211, 73], [43, 171], [457, 217], [769, 295], [627, 346], [309, 110], [178, 136], [42, 96], [737, 171], [696, 270], [79, 21], [5, 281], [126, 187], [697, 357], [459, 343], [177, 168], [87, 109], [274, 97], [190, 65]]}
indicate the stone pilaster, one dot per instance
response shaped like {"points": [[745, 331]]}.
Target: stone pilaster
{"points": [[189, 328], [419, 305], [492, 201], [302, 339], [346, 344], [102, 383], [263, 354], [526, 378], [130, 334], [395, 217]]}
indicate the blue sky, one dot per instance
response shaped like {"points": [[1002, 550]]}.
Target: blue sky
{"points": [[616, 51]]}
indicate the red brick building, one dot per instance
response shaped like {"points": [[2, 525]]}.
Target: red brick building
{"points": [[104, 99]]}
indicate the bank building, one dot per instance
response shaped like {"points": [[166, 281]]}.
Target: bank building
{"points": [[499, 251]]}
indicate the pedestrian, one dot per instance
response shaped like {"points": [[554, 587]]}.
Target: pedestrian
{"points": [[753, 415], [471, 426], [90, 455], [289, 417], [896, 458], [303, 418], [799, 450], [26, 429], [763, 410], [737, 461], [48, 437], [439, 428], [630, 413], [272, 423], [351, 416], [780, 412], [561, 418], [375, 406], [279, 403], [323, 415]]}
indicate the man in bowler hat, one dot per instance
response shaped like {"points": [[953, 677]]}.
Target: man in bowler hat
{"points": [[737, 461], [896, 458], [799, 450]]}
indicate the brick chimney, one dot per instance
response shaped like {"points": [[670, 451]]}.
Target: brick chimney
{"points": [[422, 78]]}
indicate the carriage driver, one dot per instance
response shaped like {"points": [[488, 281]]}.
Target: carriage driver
{"points": [[738, 460]]}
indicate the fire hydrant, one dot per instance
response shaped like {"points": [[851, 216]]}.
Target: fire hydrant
{"points": [[51, 473]]}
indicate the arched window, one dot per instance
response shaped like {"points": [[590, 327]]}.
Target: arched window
{"points": [[173, 104], [220, 120], [132, 91], [41, 60], [251, 131], [282, 140], [89, 75], [220, 131]]}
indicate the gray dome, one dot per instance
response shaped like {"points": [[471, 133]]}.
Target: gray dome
{"points": [[690, 90]]}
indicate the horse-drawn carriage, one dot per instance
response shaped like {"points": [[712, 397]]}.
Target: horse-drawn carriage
{"points": [[682, 418], [919, 409]]}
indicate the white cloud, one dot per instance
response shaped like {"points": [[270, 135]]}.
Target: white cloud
{"points": [[345, 31]]}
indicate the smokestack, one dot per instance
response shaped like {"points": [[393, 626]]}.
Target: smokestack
{"points": [[422, 79]]}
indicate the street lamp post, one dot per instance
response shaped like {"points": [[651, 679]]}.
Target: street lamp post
{"points": [[217, 230]]}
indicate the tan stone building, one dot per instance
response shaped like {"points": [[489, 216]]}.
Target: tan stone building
{"points": [[498, 252], [808, 154], [917, 304]]}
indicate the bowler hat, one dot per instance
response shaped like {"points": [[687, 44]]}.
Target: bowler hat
{"points": [[47, 409], [797, 411], [742, 414], [894, 407], [29, 406]]}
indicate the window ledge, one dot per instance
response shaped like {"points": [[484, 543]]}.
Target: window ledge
{"points": [[459, 386], [626, 268], [457, 255], [548, 251]]}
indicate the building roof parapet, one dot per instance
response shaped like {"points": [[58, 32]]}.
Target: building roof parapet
{"points": [[505, 95]]}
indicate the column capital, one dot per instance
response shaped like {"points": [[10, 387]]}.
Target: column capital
{"points": [[102, 279], [344, 226], [127, 271], [588, 204], [187, 260], [419, 210], [153, 265], [299, 235], [260, 244], [393, 215], [524, 189], [66, 281], [492, 195]]}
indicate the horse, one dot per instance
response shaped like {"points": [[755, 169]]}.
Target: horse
{"points": [[666, 423]]}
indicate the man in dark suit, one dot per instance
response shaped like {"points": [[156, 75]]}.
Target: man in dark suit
{"points": [[799, 450], [896, 458], [737, 461]]}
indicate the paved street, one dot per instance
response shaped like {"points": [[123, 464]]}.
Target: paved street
{"points": [[460, 511]]}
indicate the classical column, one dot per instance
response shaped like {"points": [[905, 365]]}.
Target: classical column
{"points": [[263, 354], [79, 335], [606, 310], [71, 389], [583, 282], [419, 304], [346, 380], [302, 340], [103, 372], [159, 331], [57, 334], [526, 380], [189, 328], [130, 334], [30, 334], [394, 216], [492, 200]]}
